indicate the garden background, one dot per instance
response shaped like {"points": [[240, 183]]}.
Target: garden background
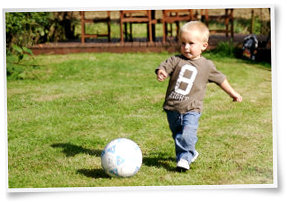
{"points": [[63, 109]]}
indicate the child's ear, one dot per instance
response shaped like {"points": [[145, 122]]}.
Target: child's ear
{"points": [[204, 46]]}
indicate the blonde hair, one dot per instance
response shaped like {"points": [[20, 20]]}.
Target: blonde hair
{"points": [[196, 25]]}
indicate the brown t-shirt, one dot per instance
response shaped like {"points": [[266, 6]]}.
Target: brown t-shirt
{"points": [[188, 80]]}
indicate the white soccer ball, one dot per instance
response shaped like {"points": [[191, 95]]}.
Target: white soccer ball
{"points": [[121, 158]]}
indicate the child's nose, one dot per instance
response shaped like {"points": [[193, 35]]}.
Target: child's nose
{"points": [[186, 46]]}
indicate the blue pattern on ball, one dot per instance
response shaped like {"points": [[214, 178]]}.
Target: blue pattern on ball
{"points": [[120, 160], [112, 149], [114, 171], [103, 153]]}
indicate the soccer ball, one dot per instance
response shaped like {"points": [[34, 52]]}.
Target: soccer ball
{"points": [[121, 158]]}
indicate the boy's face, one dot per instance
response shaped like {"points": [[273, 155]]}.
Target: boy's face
{"points": [[192, 44]]}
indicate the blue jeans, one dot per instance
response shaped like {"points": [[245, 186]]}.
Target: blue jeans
{"points": [[184, 132]]}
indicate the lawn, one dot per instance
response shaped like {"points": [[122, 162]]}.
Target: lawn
{"points": [[64, 109]]}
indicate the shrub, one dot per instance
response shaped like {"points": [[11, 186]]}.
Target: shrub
{"points": [[225, 49], [24, 29], [28, 28]]}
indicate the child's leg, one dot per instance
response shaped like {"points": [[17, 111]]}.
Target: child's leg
{"points": [[186, 141], [184, 130]]}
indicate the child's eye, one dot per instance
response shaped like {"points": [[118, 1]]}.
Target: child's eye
{"points": [[188, 43]]}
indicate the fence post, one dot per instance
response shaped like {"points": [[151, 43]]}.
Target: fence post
{"points": [[82, 13], [252, 21]]}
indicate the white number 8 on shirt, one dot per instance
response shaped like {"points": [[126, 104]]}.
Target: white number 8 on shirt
{"points": [[189, 81]]}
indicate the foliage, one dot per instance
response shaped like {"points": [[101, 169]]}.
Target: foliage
{"points": [[224, 49], [228, 49], [24, 29], [62, 26], [243, 26], [20, 70], [20, 52]]}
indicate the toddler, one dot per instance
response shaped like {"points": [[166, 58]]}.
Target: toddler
{"points": [[189, 74]]}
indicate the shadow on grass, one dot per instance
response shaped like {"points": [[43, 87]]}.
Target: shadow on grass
{"points": [[164, 162], [93, 173], [71, 150]]}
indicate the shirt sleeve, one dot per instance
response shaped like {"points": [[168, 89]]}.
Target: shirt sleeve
{"points": [[215, 76], [167, 65]]}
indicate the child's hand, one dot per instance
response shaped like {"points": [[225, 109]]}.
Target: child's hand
{"points": [[236, 97], [161, 75], [230, 91]]}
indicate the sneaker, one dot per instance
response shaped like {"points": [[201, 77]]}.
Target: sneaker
{"points": [[195, 156], [182, 165]]}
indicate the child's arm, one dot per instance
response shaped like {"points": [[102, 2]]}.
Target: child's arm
{"points": [[230, 91], [161, 75]]}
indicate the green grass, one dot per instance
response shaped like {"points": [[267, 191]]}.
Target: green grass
{"points": [[62, 115]]}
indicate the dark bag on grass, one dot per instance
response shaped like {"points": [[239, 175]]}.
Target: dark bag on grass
{"points": [[250, 46]]}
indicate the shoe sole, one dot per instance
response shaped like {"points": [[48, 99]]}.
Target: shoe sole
{"points": [[181, 170], [182, 167]]}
